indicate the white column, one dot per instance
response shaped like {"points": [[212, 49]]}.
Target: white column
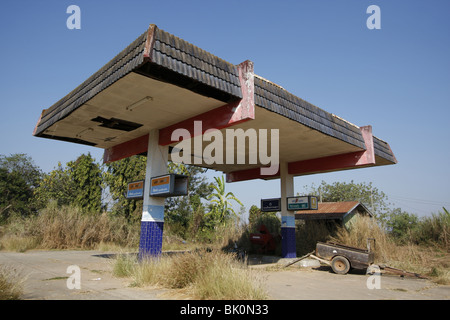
{"points": [[152, 222], [157, 159], [288, 247], [287, 188]]}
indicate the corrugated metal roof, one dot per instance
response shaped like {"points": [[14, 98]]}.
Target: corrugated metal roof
{"points": [[332, 207], [331, 210]]}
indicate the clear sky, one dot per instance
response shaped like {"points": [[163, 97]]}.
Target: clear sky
{"points": [[396, 79]]}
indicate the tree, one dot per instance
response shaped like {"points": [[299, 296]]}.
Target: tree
{"points": [[77, 184], [177, 209], [253, 214], [117, 176], [14, 193], [19, 177], [221, 205], [24, 165], [368, 195], [56, 186], [86, 174], [180, 210], [401, 223]]}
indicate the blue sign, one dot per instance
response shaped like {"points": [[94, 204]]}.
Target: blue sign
{"points": [[135, 190], [271, 205], [169, 185], [160, 185]]}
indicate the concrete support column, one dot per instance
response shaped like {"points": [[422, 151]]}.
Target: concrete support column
{"points": [[288, 247], [152, 223]]}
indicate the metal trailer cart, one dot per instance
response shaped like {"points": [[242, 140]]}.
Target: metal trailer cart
{"points": [[340, 257]]}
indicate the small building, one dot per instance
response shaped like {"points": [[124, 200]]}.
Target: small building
{"points": [[341, 212]]}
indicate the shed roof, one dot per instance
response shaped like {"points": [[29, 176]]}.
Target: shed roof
{"points": [[332, 210]]}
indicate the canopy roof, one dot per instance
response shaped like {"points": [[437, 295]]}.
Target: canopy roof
{"points": [[160, 81]]}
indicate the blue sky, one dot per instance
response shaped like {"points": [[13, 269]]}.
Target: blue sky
{"points": [[396, 79]]}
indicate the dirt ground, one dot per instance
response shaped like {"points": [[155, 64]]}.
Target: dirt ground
{"points": [[46, 278]]}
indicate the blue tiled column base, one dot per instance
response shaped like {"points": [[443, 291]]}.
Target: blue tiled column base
{"points": [[288, 247], [151, 239]]}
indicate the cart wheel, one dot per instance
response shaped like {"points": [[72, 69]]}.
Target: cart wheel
{"points": [[340, 265]]}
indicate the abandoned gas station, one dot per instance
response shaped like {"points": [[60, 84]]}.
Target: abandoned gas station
{"points": [[161, 95]]}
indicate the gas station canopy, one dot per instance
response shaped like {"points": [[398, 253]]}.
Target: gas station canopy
{"points": [[163, 82]]}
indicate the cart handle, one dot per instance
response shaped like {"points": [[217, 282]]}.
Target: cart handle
{"points": [[368, 244]]}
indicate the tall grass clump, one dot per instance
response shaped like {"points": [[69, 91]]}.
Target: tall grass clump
{"points": [[358, 233], [432, 261], [11, 283], [309, 232], [70, 227], [224, 278], [433, 230], [201, 274]]}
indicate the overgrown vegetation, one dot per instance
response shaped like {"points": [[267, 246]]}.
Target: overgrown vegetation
{"points": [[371, 197], [67, 208], [19, 177], [26, 192], [67, 227], [201, 274], [431, 230], [403, 240], [431, 260], [11, 283]]}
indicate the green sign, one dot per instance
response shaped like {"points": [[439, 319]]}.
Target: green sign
{"points": [[298, 206], [301, 203]]}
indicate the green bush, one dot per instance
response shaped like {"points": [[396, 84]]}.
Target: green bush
{"points": [[401, 224], [408, 228], [433, 230]]}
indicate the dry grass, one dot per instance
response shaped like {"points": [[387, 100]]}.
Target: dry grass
{"points": [[67, 228], [200, 274], [18, 243], [362, 229], [431, 261], [11, 283], [70, 228], [309, 232]]}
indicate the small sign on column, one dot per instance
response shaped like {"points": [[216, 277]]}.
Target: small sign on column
{"points": [[135, 190], [302, 203]]}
